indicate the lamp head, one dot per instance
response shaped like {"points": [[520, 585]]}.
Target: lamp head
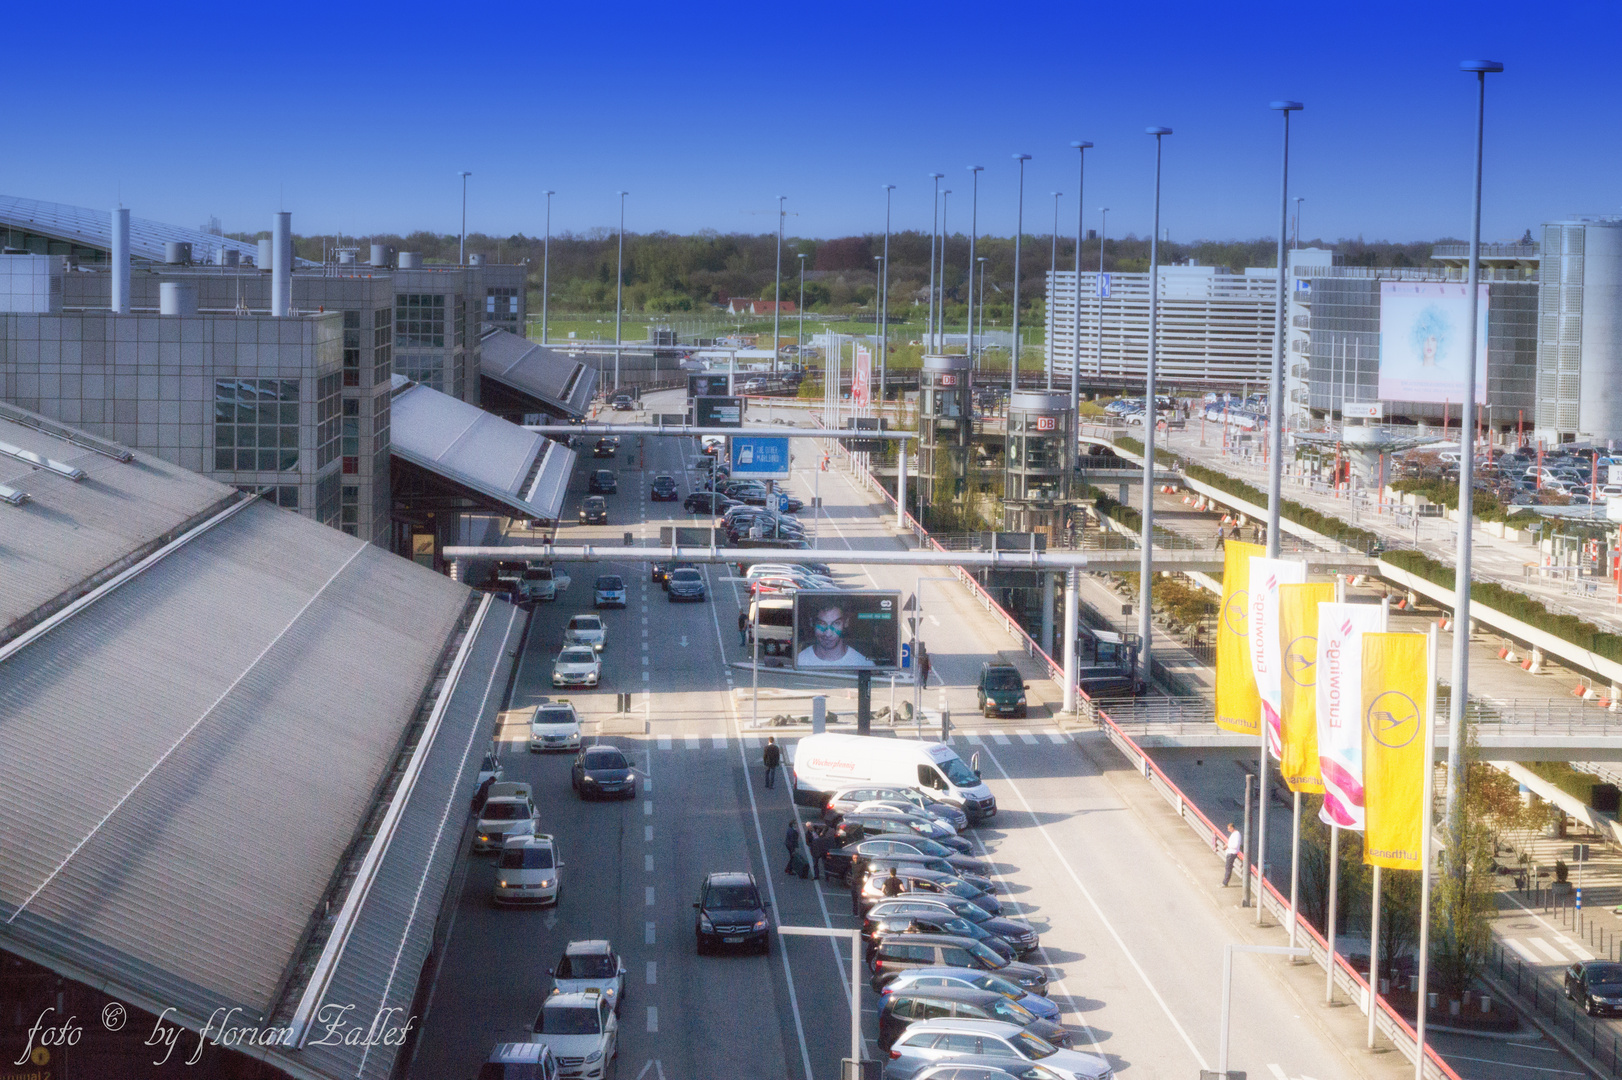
{"points": [[549, 194], [1022, 157], [888, 187], [1157, 131], [1082, 144], [937, 176], [466, 174], [1481, 67], [1286, 106]]}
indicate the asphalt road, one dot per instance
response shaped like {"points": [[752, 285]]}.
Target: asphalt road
{"points": [[1133, 942]]}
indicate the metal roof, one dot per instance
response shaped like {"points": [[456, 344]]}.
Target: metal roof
{"points": [[550, 376], [68, 531], [520, 470], [94, 228]]}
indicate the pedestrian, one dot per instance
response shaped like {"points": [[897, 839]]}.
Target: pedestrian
{"points": [[892, 884], [924, 665], [1235, 843], [791, 841], [820, 844], [743, 628], [853, 878], [772, 756], [1218, 544], [483, 793]]}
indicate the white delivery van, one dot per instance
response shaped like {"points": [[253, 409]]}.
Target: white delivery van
{"points": [[771, 619], [826, 763]]}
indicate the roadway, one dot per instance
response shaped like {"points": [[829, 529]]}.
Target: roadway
{"points": [[1132, 931]]}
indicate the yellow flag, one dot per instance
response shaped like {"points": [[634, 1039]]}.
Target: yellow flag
{"points": [[1238, 704], [1394, 696], [1298, 631]]}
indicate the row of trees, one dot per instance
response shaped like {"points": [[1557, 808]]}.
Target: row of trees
{"points": [[669, 272]]}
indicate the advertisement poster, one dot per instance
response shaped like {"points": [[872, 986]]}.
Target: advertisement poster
{"points": [[861, 381], [1266, 650], [1339, 710], [1422, 341], [843, 631], [718, 411]]}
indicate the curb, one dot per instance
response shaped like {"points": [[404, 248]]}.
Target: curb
{"points": [[1576, 1054]]}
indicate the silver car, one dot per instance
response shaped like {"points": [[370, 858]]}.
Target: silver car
{"points": [[586, 630], [943, 1039], [509, 810]]}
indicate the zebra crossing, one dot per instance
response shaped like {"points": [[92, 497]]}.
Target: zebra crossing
{"points": [[1539, 949]]}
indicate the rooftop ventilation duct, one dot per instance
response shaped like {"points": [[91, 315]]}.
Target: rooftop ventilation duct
{"points": [[121, 261], [177, 298], [380, 255], [281, 266], [475, 260], [410, 260], [266, 257], [176, 252], [346, 258], [230, 257]]}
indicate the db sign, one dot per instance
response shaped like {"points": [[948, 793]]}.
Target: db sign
{"points": [[948, 380], [1046, 423]]}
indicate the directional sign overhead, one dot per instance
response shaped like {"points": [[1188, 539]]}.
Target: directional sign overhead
{"points": [[760, 457]]}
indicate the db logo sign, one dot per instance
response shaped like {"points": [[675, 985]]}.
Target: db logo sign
{"points": [[1046, 423], [948, 380]]}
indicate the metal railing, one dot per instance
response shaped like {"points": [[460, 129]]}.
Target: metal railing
{"points": [[1537, 990]]}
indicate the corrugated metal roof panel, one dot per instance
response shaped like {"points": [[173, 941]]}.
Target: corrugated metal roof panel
{"points": [[553, 377], [229, 711], [94, 228]]}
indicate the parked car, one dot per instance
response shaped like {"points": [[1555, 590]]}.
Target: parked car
{"points": [[838, 860], [970, 978], [555, 725], [1022, 935], [603, 482], [995, 1039], [509, 810], [519, 1061], [594, 510], [900, 1010], [577, 665], [915, 879], [591, 965], [582, 1031], [940, 923], [663, 489], [889, 821], [609, 591], [708, 502], [685, 584], [905, 951], [586, 630], [847, 799], [528, 871], [731, 912], [602, 770]]}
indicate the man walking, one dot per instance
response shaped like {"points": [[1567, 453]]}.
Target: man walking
{"points": [[1235, 844], [791, 841], [743, 628], [773, 757]]}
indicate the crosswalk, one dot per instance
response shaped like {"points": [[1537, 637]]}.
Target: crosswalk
{"points": [[1539, 949]]}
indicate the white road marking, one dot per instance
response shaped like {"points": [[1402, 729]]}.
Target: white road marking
{"points": [[647, 933], [1549, 950], [664, 744], [647, 807], [647, 834], [691, 741], [653, 1018], [1057, 738], [647, 863], [1524, 953], [974, 738], [647, 896], [1277, 1072], [999, 738], [644, 676], [653, 973], [719, 742], [1027, 738]]}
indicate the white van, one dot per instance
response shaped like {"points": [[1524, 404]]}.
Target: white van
{"points": [[827, 763], [772, 620]]}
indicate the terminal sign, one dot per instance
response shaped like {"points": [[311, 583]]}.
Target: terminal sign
{"points": [[1046, 423]]}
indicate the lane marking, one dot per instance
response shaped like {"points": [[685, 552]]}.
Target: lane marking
{"points": [[1120, 942], [1057, 738], [653, 973], [647, 833], [691, 741], [647, 863], [647, 933], [999, 738], [664, 742], [653, 1018], [1027, 738], [647, 807], [718, 742], [1549, 950], [647, 895], [647, 785], [1524, 953]]}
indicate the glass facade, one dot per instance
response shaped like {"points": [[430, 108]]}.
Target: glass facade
{"points": [[327, 499], [351, 348], [349, 510], [256, 425], [419, 320], [382, 341], [326, 419]]}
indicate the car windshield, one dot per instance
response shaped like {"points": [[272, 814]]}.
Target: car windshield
{"points": [[725, 897], [1013, 1012], [505, 811], [684, 575], [606, 759], [527, 858], [610, 583], [999, 984], [986, 954], [1604, 974], [566, 1020], [537, 575], [588, 967], [1004, 679], [1032, 1047], [957, 772], [585, 622], [573, 656], [553, 714], [596, 502]]}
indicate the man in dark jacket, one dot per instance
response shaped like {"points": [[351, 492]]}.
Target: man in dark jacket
{"points": [[743, 628], [772, 757], [856, 875], [791, 841], [820, 844], [482, 794], [892, 884]]}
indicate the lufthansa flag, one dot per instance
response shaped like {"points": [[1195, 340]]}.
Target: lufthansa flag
{"points": [[1395, 684]]}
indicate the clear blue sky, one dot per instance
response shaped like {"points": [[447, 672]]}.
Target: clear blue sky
{"points": [[358, 117]]}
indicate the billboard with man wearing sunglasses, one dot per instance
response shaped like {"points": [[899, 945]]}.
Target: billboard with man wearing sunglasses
{"points": [[838, 630]]}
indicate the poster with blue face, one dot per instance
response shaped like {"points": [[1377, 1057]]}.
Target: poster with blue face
{"points": [[1423, 332]]}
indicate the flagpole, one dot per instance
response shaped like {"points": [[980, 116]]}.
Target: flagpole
{"points": [[1374, 954], [1295, 864], [1425, 816], [1334, 878]]}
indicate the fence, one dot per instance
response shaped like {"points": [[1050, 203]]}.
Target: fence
{"points": [[1534, 988]]}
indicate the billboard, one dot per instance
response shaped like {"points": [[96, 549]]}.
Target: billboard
{"points": [[718, 411], [839, 630], [709, 384], [1422, 331], [861, 380], [760, 457]]}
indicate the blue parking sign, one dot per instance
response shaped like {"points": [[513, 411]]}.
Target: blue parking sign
{"points": [[906, 654]]}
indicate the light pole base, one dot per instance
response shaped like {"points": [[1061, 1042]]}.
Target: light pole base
{"points": [[850, 1069]]}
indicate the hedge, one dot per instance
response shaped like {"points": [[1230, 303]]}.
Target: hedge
{"points": [[1584, 635], [1443, 493]]}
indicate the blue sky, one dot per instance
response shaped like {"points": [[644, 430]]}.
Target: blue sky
{"points": [[359, 117]]}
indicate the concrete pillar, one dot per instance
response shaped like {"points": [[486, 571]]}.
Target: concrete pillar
{"points": [[901, 485], [281, 269], [1070, 621], [1047, 612], [121, 261], [819, 715], [1125, 495]]}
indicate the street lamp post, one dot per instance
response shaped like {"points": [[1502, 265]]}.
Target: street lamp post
{"points": [[1299, 199], [1053, 272], [1146, 570], [777, 287], [1460, 693], [934, 235], [974, 229], [1019, 232], [546, 264], [1081, 147], [940, 302], [884, 306], [1103, 228], [461, 246], [619, 286], [800, 340]]}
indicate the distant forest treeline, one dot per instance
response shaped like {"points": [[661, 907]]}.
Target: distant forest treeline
{"points": [[667, 272]]}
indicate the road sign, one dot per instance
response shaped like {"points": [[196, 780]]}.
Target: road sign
{"points": [[718, 412], [1103, 286], [760, 457], [906, 654]]}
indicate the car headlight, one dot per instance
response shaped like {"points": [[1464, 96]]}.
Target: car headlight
{"points": [[595, 1055], [705, 924], [760, 924], [501, 883], [587, 780], [485, 838], [547, 883]]}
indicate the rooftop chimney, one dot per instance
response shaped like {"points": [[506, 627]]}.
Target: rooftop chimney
{"points": [[266, 247], [121, 261], [380, 255], [281, 271]]}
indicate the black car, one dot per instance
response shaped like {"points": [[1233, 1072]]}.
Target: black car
{"points": [[930, 862], [903, 952], [604, 482], [664, 489], [601, 771], [663, 570], [708, 502], [876, 822], [623, 403], [685, 584], [1596, 985], [941, 923], [594, 511], [903, 1008], [837, 861], [788, 504], [1022, 935], [606, 447], [731, 912]]}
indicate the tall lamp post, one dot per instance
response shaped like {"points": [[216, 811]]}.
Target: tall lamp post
{"points": [[940, 301], [884, 306], [1275, 481], [981, 318], [1299, 199], [619, 286], [1460, 692], [1081, 147], [777, 286], [1146, 569], [546, 264], [1053, 272], [1103, 229], [974, 230], [461, 246], [934, 236], [1019, 232], [800, 340]]}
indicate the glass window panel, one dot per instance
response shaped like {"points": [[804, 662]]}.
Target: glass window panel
{"points": [[245, 460], [225, 459], [289, 437], [268, 414], [225, 436], [289, 460], [224, 390], [224, 412], [289, 414], [289, 389]]}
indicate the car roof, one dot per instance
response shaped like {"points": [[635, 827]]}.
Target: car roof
{"points": [[587, 998], [967, 1025], [540, 840], [729, 877], [523, 1053], [508, 789], [934, 939], [972, 995], [591, 947]]}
